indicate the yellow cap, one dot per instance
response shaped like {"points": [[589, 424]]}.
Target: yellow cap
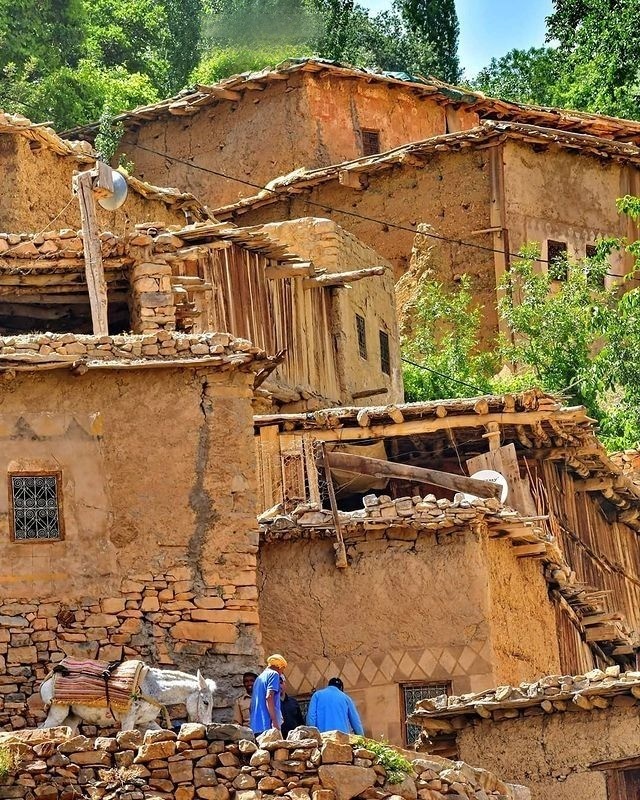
{"points": [[276, 660]]}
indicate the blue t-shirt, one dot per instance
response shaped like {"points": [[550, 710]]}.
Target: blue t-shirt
{"points": [[268, 682], [331, 709]]}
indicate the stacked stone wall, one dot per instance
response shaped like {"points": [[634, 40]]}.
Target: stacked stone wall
{"points": [[221, 762]]}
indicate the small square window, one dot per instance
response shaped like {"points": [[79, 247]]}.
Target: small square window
{"points": [[370, 142], [412, 693], [362, 336], [557, 258], [385, 357], [591, 251], [35, 506]]}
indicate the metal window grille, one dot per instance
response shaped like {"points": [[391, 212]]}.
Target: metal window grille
{"points": [[557, 258], [385, 357], [362, 336], [303, 702], [35, 508], [411, 694], [370, 142]]}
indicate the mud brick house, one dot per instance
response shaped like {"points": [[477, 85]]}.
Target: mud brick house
{"points": [[37, 167], [329, 312], [568, 737], [443, 593], [110, 548], [313, 113], [484, 193]]}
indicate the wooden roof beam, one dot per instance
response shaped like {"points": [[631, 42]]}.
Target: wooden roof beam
{"points": [[342, 279]]}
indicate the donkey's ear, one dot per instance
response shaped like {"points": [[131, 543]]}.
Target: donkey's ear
{"points": [[202, 683]]}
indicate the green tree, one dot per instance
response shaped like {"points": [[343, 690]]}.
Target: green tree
{"points": [[436, 21], [526, 76]]}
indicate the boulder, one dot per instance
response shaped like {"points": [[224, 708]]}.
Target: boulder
{"points": [[406, 789], [345, 780], [333, 752], [304, 732], [218, 732], [191, 730], [272, 736]]}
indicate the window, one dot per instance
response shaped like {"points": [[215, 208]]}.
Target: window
{"points": [[370, 142], [591, 251], [557, 258], [303, 702], [624, 784], [411, 694], [385, 358], [35, 512], [362, 336]]}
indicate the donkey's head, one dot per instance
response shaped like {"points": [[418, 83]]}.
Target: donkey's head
{"points": [[200, 702]]}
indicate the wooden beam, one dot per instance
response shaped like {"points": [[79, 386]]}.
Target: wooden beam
{"points": [[83, 186], [369, 393], [332, 279], [341, 553], [360, 465], [302, 269]]}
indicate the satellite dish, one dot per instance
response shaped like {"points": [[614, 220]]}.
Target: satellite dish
{"points": [[491, 476], [120, 189]]}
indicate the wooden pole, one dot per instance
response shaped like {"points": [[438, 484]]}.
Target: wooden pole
{"points": [[378, 468], [83, 185], [338, 279], [341, 553]]}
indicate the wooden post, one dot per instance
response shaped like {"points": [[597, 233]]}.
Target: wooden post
{"points": [[84, 185], [341, 553]]}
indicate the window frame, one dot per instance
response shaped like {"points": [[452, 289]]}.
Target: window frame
{"points": [[368, 135], [447, 685], [34, 473], [361, 336], [385, 357], [559, 258]]}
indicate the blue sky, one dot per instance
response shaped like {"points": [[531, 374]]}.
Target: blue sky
{"points": [[492, 27]]}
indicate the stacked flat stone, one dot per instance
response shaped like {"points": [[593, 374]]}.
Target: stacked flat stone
{"points": [[157, 345], [220, 762], [154, 617], [597, 689]]}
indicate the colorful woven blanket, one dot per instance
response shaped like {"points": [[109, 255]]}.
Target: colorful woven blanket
{"points": [[83, 683]]}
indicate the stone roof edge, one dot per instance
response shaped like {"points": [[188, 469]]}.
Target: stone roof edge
{"points": [[594, 690], [161, 349], [189, 101], [406, 155]]}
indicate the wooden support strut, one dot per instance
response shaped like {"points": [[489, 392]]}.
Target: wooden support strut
{"points": [[84, 184], [337, 279], [341, 553], [386, 469]]}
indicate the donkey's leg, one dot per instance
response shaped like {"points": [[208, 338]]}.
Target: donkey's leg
{"points": [[56, 716]]}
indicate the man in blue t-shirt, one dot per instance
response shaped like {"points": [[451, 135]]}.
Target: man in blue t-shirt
{"points": [[265, 710], [331, 709]]}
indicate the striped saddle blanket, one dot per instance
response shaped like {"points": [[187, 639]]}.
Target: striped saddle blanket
{"points": [[96, 683]]}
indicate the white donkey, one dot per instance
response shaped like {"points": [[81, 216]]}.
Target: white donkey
{"points": [[158, 688]]}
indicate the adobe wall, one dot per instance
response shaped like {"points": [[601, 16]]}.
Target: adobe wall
{"points": [[517, 595], [40, 182], [307, 120], [451, 192], [588, 186], [410, 607], [551, 753], [332, 248], [160, 541]]}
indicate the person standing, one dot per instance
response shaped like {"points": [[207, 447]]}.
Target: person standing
{"points": [[265, 712], [242, 704], [291, 711], [331, 709]]}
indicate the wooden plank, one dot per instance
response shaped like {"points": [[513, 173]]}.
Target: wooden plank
{"points": [[337, 279], [341, 553], [96, 283], [378, 468]]}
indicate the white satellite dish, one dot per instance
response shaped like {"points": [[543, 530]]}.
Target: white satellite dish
{"points": [[490, 476]]}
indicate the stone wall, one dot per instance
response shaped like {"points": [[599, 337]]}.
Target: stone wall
{"points": [[157, 488], [414, 606], [220, 762]]}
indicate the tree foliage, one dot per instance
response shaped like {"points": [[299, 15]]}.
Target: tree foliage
{"points": [[571, 336]]}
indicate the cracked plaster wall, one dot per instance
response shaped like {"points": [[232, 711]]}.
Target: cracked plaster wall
{"points": [[158, 498]]}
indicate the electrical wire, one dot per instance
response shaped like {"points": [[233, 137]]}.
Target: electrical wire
{"points": [[442, 375], [346, 212]]}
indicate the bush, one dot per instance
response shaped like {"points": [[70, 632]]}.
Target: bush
{"points": [[396, 766]]}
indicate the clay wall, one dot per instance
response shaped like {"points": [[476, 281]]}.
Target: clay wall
{"points": [[333, 249], [158, 555], [565, 196], [409, 608], [41, 195], [307, 120], [451, 192], [551, 753]]}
